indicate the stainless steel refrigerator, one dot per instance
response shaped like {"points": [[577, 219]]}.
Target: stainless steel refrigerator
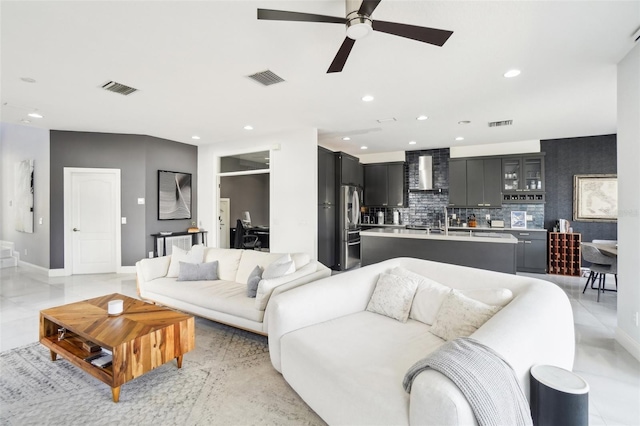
{"points": [[349, 227]]}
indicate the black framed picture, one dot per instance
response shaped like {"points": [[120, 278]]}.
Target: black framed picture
{"points": [[174, 195]]}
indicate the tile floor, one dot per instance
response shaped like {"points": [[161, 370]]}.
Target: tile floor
{"points": [[612, 373]]}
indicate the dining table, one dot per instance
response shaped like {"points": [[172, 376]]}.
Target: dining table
{"points": [[607, 249]]}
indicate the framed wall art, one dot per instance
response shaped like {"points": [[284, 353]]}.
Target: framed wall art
{"points": [[174, 195], [24, 201], [595, 198], [519, 220]]}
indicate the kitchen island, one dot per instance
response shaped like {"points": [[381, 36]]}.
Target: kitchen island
{"points": [[485, 250]]}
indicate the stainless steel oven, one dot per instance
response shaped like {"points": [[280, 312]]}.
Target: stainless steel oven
{"points": [[352, 249]]}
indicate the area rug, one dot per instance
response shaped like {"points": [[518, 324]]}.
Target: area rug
{"points": [[227, 380]]}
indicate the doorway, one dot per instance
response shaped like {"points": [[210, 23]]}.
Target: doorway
{"points": [[92, 221], [244, 180]]}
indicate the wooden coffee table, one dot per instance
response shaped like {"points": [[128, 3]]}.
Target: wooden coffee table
{"points": [[143, 337]]}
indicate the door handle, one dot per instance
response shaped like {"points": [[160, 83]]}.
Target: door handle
{"points": [[76, 230]]}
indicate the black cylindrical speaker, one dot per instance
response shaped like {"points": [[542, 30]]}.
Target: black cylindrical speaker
{"points": [[558, 397]]}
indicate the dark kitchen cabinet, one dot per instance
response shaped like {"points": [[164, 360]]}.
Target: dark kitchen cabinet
{"points": [[326, 176], [327, 235], [384, 185], [531, 255], [523, 179], [327, 219], [457, 183], [349, 169], [482, 181]]}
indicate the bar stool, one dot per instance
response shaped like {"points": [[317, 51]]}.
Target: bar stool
{"points": [[600, 266]]}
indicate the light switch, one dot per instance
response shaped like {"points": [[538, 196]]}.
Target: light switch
{"points": [[124, 220], [40, 221], [529, 217], [140, 200]]}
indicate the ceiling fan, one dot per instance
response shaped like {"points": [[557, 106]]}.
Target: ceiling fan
{"points": [[359, 24]]}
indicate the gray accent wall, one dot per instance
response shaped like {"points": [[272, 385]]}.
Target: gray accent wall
{"points": [[139, 158], [575, 156]]}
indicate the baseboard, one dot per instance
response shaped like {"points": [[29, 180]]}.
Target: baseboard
{"points": [[58, 273], [628, 343], [35, 268]]}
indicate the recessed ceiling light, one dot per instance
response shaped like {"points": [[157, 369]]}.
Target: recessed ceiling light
{"points": [[412, 143], [248, 127], [364, 147], [512, 73], [367, 98], [28, 79], [346, 138], [25, 121], [459, 138], [35, 115], [386, 120], [421, 117], [464, 122], [196, 137]]}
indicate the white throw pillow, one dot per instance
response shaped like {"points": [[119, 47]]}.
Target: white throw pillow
{"points": [[279, 268], [429, 296], [461, 316], [194, 255], [490, 296], [393, 296]]}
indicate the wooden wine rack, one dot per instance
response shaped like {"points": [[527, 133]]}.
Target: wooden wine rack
{"points": [[564, 253]]}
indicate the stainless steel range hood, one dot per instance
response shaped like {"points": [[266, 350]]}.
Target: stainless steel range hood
{"points": [[425, 172]]}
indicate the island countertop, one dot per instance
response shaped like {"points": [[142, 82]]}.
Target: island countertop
{"points": [[475, 236]]}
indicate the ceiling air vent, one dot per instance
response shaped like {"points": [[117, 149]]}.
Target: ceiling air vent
{"points": [[500, 123], [266, 78], [114, 87]]}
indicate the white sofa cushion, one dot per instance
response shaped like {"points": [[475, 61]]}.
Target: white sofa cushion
{"points": [[279, 267], [222, 296], [360, 360], [429, 296], [228, 261], [194, 255], [393, 296], [249, 260], [300, 259], [461, 316], [266, 287], [156, 267], [490, 296]]}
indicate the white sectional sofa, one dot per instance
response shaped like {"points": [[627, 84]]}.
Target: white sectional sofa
{"points": [[348, 363], [224, 300]]}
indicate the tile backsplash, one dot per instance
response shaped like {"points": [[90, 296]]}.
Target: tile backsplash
{"points": [[426, 208]]}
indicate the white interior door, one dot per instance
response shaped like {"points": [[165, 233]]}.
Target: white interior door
{"points": [[92, 220], [223, 220]]}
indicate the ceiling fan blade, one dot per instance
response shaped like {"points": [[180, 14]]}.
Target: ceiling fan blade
{"points": [[424, 34], [368, 6], [341, 56], [283, 15]]}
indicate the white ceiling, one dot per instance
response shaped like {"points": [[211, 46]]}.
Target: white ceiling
{"points": [[190, 60]]}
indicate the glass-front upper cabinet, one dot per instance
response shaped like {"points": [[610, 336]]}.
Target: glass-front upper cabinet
{"points": [[511, 170], [525, 175]]}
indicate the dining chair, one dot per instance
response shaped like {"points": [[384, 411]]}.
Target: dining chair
{"points": [[601, 265]]}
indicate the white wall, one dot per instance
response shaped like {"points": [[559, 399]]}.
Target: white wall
{"points": [[505, 148], [628, 332], [18, 143], [293, 186]]}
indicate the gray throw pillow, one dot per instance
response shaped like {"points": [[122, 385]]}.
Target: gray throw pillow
{"points": [[252, 282], [198, 271]]}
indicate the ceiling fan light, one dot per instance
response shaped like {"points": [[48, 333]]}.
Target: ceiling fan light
{"points": [[358, 27], [512, 73]]}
